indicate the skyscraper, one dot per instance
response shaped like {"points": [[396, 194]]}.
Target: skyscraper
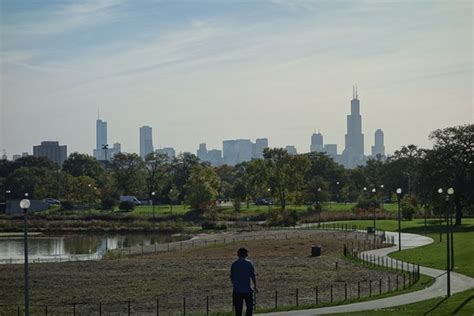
{"points": [[168, 151], [353, 154], [317, 144], [237, 151], [291, 150], [378, 148], [146, 141], [260, 145], [202, 152], [51, 150], [101, 139]]}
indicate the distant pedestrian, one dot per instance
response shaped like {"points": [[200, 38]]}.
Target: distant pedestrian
{"points": [[241, 272]]}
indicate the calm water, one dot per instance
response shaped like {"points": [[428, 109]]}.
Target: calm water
{"points": [[74, 247]]}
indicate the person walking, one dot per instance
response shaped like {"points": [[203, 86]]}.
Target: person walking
{"points": [[241, 272]]}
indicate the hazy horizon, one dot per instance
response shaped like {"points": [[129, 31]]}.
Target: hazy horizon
{"points": [[206, 71]]}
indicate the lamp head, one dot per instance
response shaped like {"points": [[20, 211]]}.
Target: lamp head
{"points": [[373, 190], [25, 204], [399, 191], [440, 190], [450, 191], [153, 193]]}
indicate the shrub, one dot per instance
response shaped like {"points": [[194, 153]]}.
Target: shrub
{"points": [[282, 218], [237, 204], [67, 205], [108, 204], [213, 225], [126, 206], [409, 205], [365, 202]]}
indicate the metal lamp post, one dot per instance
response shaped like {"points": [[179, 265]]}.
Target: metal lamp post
{"points": [[90, 196], [450, 192], [399, 195], [171, 201], [269, 201], [153, 202], [25, 205], [381, 196], [374, 191], [440, 191], [337, 191], [451, 225], [318, 206]]}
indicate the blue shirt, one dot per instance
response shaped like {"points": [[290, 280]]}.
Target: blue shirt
{"points": [[241, 272]]}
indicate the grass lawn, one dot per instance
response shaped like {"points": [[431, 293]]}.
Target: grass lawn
{"points": [[434, 255], [458, 304], [160, 209]]}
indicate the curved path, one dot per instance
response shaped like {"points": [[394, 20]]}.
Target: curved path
{"points": [[459, 283]]}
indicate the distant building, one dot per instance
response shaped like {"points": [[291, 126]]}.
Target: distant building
{"points": [[291, 150], [259, 147], [330, 150], [168, 151], [16, 157], [101, 140], [51, 150], [379, 147], [201, 153], [116, 149], [237, 151], [353, 154], [146, 141], [214, 156], [317, 144], [24, 154]]}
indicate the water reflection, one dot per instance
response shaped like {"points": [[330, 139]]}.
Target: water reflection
{"points": [[74, 247]]}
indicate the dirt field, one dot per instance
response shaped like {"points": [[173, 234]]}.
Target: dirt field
{"points": [[193, 274]]}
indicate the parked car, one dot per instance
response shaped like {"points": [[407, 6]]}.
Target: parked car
{"points": [[52, 201], [263, 202], [130, 198]]}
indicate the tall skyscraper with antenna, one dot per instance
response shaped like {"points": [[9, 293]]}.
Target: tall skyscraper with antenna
{"points": [[353, 154], [101, 139]]}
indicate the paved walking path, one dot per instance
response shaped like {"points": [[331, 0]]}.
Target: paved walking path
{"points": [[459, 283]]}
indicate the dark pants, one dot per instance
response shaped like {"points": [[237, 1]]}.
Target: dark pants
{"points": [[238, 300]]}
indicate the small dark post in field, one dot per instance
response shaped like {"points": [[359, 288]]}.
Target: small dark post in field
{"points": [[74, 309], [404, 281], [389, 284], [129, 308], [207, 305], [46, 310], [317, 295], [184, 305], [409, 278], [157, 307], [331, 294], [336, 265], [18, 310], [358, 290], [397, 282], [276, 299], [100, 309], [380, 286], [296, 297], [370, 288], [345, 291]]}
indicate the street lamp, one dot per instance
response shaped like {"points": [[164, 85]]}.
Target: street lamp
{"points": [[451, 225], [381, 196], [270, 202], [337, 193], [318, 206], [399, 195], [153, 202], [450, 192], [374, 191], [171, 200], [25, 205], [440, 191]]}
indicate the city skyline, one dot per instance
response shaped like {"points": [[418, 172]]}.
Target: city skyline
{"points": [[208, 72]]}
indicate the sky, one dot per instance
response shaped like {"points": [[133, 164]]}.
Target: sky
{"points": [[206, 71]]}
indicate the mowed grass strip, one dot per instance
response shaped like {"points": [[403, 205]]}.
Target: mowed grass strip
{"points": [[434, 255], [458, 304]]}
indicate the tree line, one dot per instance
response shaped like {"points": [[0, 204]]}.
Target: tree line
{"points": [[283, 178]]}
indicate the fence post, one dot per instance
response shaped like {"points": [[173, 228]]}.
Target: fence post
{"points": [[207, 305], [380, 286], [331, 294], [100, 308], [74, 309], [397, 282], [345, 291], [317, 295], [184, 305], [157, 307], [370, 288], [297, 298], [46, 310], [358, 290], [129, 308], [18, 310], [404, 280], [276, 299], [389, 284], [336, 265]]}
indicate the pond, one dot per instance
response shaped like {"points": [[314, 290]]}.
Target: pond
{"points": [[50, 248]]}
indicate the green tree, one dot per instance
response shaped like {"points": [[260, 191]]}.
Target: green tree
{"points": [[83, 165], [202, 187], [181, 170], [157, 175], [128, 171], [82, 189]]}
